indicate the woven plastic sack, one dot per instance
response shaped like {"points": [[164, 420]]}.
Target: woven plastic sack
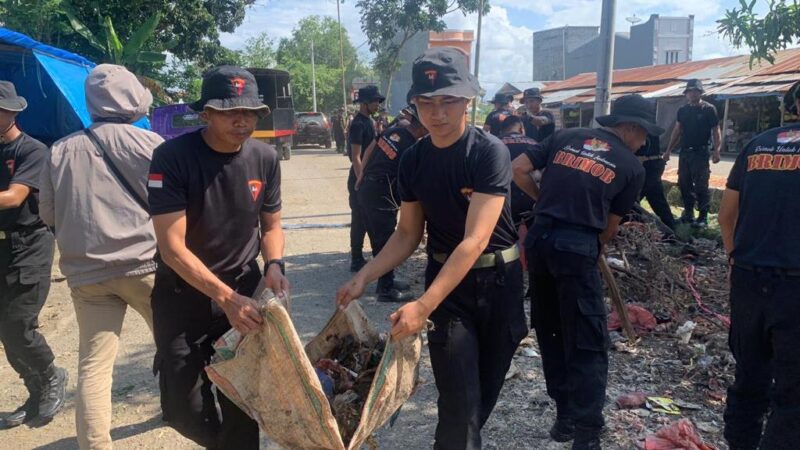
{"points": [[273, 380]]}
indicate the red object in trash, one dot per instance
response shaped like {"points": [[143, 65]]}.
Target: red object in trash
{"points": [[643, 321], [679, 435]]}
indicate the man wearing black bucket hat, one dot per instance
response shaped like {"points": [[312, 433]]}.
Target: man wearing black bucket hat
{"points": [[502, 110], [591, 181], [697, 123], [456, 182], [359, 136], [26, 258], [539, 123], [215, 199], [758, 218]]}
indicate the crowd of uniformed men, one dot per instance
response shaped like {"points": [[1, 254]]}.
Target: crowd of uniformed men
{"points": [[210, 201]]}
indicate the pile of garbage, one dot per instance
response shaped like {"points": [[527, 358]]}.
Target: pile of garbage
{"points": [[346, 376]]}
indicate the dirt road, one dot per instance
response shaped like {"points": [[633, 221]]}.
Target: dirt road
{"points": [[314, 197]]}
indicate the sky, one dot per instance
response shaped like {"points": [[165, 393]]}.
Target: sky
{"points": [[507, 40]]}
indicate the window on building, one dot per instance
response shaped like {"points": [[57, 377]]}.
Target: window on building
{"points": [[672, 56]]}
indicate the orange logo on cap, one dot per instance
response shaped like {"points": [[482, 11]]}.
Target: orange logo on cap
{"points": [[238, 84], [255, 188], [432, 74]]}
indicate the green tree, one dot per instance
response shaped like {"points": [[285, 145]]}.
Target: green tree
{"points": [[258, 51], [778, 29], [389, 24], [294, 55]]}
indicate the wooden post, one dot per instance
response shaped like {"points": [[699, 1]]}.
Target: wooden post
{"points": [[616, 299]]}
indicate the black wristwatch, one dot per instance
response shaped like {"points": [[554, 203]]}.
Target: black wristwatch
{"points": [[280, 263]]}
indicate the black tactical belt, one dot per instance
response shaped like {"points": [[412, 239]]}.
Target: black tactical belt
{"points": [[650, 158], [486, 260]]}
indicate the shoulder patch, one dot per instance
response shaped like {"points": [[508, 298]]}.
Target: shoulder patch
{"points": [[596, 145]]}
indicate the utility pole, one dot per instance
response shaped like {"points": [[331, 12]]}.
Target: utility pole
{"points": [[477, 62], [313, 77], [602, 104], [341, 61]]}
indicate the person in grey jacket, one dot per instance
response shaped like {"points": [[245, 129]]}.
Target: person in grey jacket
{"points": [[104, 234]]}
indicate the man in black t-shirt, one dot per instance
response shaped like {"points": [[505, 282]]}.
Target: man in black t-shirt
{"points": [[653, 189], [539, 123], [216, 201], [337, 122], [759, 222], [456, 182], [502, 110], [592, 180], [359, 136], [26, 258], [697, 123], [377, 195], [517, 143]]}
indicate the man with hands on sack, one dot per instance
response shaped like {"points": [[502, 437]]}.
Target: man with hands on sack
{"points": [[456, 182]]}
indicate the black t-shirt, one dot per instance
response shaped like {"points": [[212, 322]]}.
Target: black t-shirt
{"points": [[386, 155], [651, 148], [539, 133], [221, 193], [22, 160], [697, 123], [520, 202], [444, 179], [496, 118], [590, 173], [362, 132], [767, 175]]}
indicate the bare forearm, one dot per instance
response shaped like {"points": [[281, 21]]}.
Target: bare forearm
{"points": [[673, 140], [367, 155], [357, 167], [9, 200], [727, 225], [272, 244], [526, 183], [189, 267], [400, 246], [453, 272], [716, 136]]}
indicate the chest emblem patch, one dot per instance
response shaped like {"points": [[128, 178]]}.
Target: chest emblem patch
{"points": [[10, 165], [255, 188], [596, 145], [394, 137], [467, 193], [789, 136]]}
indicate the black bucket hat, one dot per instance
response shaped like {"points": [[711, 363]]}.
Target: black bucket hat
{"points": [[9, 100], [442, 71], [789, 100], [532, 93], [694, 84], [229, 87], [369, 94], [632, 108], [503, 98], [410, 110]]}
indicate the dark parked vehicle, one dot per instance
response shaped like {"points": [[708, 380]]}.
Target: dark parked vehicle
{"points": [[312, 128]]}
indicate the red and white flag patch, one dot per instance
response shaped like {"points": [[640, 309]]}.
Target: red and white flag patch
{"points": [[155, 180]]}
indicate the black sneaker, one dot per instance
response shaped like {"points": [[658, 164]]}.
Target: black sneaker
{"points": [[25, 413], [700, 223], [357, 263], [587, 444], [401, 285], [54, 389], [393, 295], [563, 430]]}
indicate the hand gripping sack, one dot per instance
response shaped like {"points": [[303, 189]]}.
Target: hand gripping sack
{"points": [[272, 379]]}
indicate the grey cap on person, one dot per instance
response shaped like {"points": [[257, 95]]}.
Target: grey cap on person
{"points": [[115, 94], [9, 100], [442, 71]]}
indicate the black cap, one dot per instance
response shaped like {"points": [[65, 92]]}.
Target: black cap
{"points": [[632, 108], [533, 92], [694, 84], [9, 100], [369, 94], [789, 100], [229, 87], [442, 71], [502, 97], [410, 110]]}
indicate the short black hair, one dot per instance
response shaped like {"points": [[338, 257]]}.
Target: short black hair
{"points": [[510, 122]]}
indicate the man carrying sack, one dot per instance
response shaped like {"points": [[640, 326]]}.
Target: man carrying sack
{"points": [[456, 182], [215, 199]]}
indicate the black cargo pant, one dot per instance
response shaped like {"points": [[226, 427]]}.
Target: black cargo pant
{"points": [[694, 171], [358, 226], [764, 336], [476, 331], [569, 316], [376, 195], [26, 259], [653, 191], [185, 324]]}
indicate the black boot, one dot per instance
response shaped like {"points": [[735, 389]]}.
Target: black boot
{"points": [[357, 261], [563, 430], [702, 220], [29, 410], [393, 295], [586, 439], [54, 389]]}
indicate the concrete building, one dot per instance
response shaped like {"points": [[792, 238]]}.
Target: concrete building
{"points": [[660, 40], [401, 81], [551, 47]]}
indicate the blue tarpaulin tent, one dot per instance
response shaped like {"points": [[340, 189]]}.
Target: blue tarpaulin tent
{"points": [[51, 80]]}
